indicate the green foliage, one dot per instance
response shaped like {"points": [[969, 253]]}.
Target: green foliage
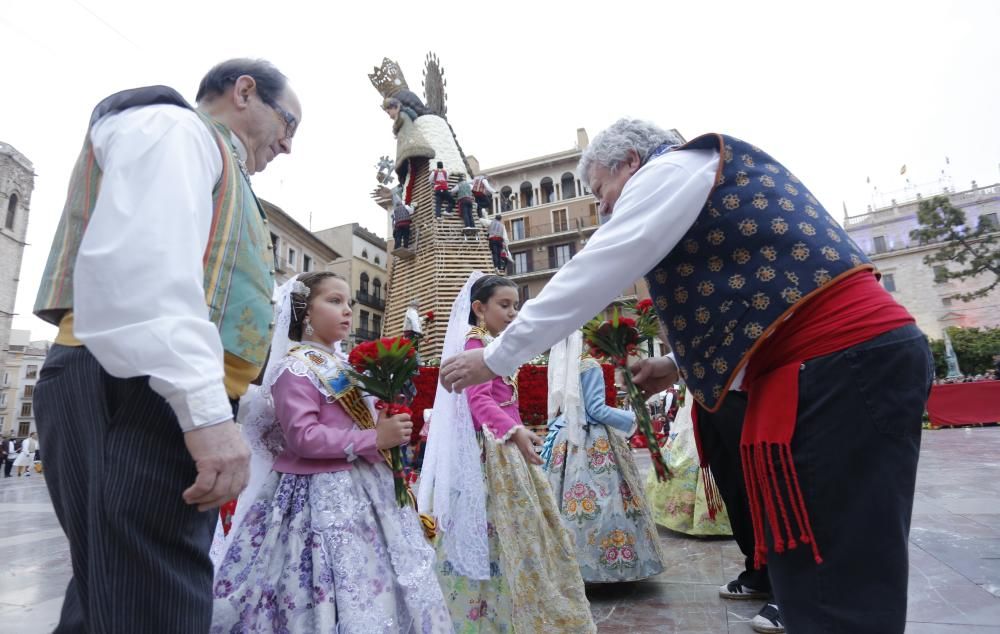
{"points": [[976, 250], [974, 348]]}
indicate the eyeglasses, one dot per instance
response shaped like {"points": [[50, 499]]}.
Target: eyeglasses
{"points": [[291, 123]]}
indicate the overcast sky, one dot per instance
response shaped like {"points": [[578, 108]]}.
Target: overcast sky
{"points": [[839, 92]]}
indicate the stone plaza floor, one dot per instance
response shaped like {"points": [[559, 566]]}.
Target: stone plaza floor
{"points": [[954, 557]]}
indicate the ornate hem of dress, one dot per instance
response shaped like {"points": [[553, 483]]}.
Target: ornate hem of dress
{"points": [[535, 584], [330, 552], [602, 504], [679, 503]]}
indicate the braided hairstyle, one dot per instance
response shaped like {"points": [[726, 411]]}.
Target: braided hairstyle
{"points": [[301, 303], [483, 289]]}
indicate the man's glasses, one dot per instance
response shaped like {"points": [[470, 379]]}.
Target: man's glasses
{"points": [[291, 123]]}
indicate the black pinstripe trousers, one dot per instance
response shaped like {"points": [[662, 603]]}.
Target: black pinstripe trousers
{"points": [[115, 466]]}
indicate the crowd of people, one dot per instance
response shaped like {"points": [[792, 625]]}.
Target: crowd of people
{"points": [[992, 375], [776, 322]]}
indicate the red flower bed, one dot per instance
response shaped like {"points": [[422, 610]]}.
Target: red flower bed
{"points": [[533, 393]]}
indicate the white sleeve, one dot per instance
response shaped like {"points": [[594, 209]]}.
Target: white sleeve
{"points": [[139, 298], [656, 208]]}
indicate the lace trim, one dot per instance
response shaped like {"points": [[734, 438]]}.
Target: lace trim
{"points": [[509, 433], [298, 367]]}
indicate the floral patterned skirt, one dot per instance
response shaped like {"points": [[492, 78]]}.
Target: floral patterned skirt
{"points": [[535, 585], [679, 503], [330, 552], [602, 504]]}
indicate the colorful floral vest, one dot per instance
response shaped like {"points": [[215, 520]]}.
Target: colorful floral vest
{"points": [[239, 265], [761, 245]]}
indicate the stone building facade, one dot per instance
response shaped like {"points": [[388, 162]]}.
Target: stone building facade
{"points": [[884, 234], [17, 181]]}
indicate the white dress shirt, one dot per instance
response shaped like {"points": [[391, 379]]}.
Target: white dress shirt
{"points": [[139, 297], [656, 208]]}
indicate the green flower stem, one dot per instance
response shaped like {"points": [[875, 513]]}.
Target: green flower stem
{"points": [[645, 426]]}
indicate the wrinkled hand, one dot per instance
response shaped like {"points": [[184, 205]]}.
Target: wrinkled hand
{"points": [[465, 369], [654, 374], [393, 431], [526, 440], [223, 463]]}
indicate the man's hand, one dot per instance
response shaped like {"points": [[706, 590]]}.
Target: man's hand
{"points": [[654, 374], [465, 369], [393, 431], [525, 439], [223, 463]]}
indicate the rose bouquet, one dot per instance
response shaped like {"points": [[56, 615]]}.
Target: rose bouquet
{"points": [[385, 368], [617, 339]]}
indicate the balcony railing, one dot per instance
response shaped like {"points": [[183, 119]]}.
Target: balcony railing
{"points": [[364, 334], [551, 229], [370, 300]]}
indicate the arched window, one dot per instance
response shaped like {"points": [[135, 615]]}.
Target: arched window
{"points": [[364, 283], [11, 212], [377, 288], [506, 203], [376, 262], [548, 191], [364, 253], [527, 195], [568, 182]]}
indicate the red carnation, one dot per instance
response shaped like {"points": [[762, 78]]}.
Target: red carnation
{"points": [[429, 316], [644, 306], [362, 354]]}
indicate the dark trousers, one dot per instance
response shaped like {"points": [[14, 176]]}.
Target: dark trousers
{"points": [[465, 204], [115, 467], [7, 466], [720, 437], [443, 198], [855, 447], [496, 248], [401, 236], [484, 201]]}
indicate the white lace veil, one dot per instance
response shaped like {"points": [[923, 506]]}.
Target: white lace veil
{"points": [[452, 487], [260, 429], [564, 386]]}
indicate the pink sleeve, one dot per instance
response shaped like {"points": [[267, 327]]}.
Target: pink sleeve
{"points": [[484, 408], [297, 406]]}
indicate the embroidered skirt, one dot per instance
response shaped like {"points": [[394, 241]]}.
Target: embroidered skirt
{"points": [[679, 503], [602, 504], [329, 552], [535, 585]]}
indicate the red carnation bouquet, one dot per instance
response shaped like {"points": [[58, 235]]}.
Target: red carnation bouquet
{"points": [[385, 368], [617, 339]]}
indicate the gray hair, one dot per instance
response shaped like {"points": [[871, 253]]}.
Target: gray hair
{"points": [[611, 146]]}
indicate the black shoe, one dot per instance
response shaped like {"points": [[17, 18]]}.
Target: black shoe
{"points": [[736, 590], [768, 620]]}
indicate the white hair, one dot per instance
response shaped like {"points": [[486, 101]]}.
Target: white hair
{"points": [[611, 146]]}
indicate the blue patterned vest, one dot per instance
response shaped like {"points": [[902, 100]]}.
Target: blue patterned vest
{"points": [[761, 246]]}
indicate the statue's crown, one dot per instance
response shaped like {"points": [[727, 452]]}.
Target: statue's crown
{"points": [[388, 79]]}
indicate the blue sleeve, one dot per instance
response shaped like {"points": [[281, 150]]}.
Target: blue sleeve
{"points": [[598, 410]]}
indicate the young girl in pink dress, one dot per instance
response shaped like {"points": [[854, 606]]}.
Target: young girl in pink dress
{"points": [[324, 546], [506, 564]]}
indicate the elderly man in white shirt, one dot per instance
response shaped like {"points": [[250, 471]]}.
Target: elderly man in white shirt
{"points": [[160, 279], [760, 289]]}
